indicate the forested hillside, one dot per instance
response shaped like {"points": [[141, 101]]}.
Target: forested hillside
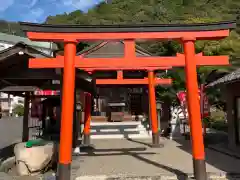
{"points": [[10, 28], [162, 11], [153, 11]]}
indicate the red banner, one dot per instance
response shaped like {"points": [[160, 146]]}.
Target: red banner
{"points": [[182, 97], [204, 104], [36, 108]]}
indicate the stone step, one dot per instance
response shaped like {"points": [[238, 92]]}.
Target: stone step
{"points": [[121, 136], [123, 123], [120, 130]]}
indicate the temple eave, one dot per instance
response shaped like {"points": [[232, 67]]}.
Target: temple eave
{"points": [[34, 27]]}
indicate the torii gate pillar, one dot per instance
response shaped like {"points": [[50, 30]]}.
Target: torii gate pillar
{"points": [[65, 149], [195, 122], [153, 110], [87, 119]]}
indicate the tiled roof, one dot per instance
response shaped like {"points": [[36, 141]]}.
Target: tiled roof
{"points": [[96, 46], [233, 76], [15, 39]]}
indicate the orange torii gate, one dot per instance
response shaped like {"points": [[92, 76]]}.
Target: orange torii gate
{"points": [[121, 81], [71, 34]]}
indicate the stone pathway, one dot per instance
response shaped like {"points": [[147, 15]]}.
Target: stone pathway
{"points": [[134, 158]]}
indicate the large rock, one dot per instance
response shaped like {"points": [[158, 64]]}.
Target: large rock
{"points": [[7, 164], [5, 176], [33, 160]]}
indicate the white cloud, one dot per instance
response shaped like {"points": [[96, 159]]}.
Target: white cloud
{"points": [[37, 12], [5, 4], [33, 2], [33, 15], [27, 3], [80, 4], [67, 2]]}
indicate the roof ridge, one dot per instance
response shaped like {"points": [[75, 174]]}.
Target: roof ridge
{"points": [[24, 45], [90, 48], [226, 78], [125, 28], [13, 38]]}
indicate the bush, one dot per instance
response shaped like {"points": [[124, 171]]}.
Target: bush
{"points": [[18, 110], [217, 115], [218, 120], [220, 126]]}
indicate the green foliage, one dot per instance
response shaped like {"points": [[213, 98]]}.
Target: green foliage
{"points": [[18, 109], [11, 28], [206, 121], [217, 120], [153, 11], [219, 125]]}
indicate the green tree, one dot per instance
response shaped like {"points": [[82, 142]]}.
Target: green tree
{"points": [[18, 109], [11, 28]]}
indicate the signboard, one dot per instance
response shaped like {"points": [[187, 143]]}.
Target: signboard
{"points": [[46, 92], [205, 106]]}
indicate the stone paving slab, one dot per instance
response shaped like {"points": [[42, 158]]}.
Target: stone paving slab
{"points": [[126, 158], [162, 177]]}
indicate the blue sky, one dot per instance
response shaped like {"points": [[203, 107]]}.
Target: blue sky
{"points": [[38, 10]]}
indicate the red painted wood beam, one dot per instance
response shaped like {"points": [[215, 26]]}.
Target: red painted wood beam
{"points": [[46, 36], [158, 81], [137, 63], [124, 68]]}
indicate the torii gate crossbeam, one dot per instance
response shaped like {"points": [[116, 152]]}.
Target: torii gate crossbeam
{"points": [[128, 63], [121, 81]]}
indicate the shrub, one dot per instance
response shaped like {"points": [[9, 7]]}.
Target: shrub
{"points": [[18, 109]]}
